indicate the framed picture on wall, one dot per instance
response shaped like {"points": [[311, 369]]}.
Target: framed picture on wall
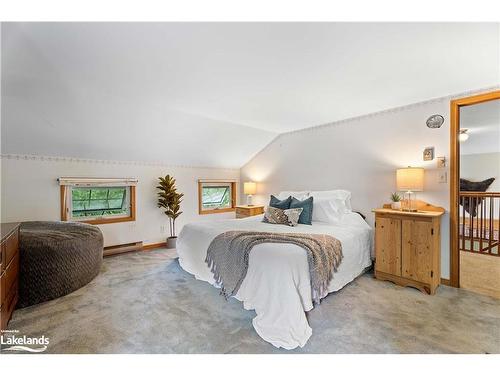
{"points": [[428, 153]]}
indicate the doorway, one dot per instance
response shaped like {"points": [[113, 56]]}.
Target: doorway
{"points": [[475, 193]]}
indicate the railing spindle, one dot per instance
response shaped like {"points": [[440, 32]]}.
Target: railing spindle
{"points": [[490, 226], [463, 223], [480, 231], [484, 227], [471, 207]]}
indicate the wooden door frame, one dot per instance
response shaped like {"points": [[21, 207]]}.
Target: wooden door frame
{"points": [[455, 106]]}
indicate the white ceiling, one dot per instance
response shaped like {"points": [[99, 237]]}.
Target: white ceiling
{"points": [[483, 124], [216, 93]]}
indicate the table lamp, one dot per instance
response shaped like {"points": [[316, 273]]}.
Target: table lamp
{"points": [[249, 188], [410, 180]]}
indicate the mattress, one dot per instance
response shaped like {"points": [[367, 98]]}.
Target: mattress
{"points": [[277, 284]]}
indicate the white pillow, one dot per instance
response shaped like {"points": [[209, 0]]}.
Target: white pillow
{"points": [[328, 210], [300, 195], [342, 197]]}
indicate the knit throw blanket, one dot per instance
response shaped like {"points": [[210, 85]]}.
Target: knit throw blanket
{"points": [[228, 254]]}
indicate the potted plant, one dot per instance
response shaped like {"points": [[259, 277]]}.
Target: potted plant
{"points": [[395, 201], [170, 200]]}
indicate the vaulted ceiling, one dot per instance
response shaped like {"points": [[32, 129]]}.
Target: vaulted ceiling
{"points": [[483, 124], [214, 94]]}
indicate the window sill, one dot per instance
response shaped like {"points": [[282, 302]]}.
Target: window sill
{"points": [[218, 211], [107, 221]]}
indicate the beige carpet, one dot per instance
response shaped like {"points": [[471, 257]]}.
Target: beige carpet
{"points": [[145, 303]]}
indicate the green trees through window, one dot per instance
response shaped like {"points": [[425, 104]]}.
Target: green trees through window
{"points": [[216, 197], [99, 201]]}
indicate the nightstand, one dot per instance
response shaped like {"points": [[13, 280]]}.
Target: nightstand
{"points": [[408, 247], [247, 211]]}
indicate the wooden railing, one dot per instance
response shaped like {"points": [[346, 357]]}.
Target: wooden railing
{"points": [[479, 222]]}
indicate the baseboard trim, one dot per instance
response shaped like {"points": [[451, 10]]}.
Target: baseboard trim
{"points": [[152, 246], [136, 246], [446, 282], [120, 249]]}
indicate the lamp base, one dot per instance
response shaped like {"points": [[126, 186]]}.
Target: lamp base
{"points": [[409, 204], [249, 200]]}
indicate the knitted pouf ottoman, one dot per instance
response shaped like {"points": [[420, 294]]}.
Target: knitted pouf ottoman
{"points": [[56, 258]]}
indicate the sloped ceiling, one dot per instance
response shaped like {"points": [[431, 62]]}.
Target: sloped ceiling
{"points": [[483, 124], [214, 94]]}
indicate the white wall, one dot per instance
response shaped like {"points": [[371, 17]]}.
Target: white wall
{"points": [[30, 192], [479, 167], [360, 155]]}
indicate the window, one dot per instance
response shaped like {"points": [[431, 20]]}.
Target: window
{"points": [[216, 196], [97, 201], [100, 201]]}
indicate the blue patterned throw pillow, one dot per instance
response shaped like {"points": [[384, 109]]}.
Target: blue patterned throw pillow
{"points": [[307, 209], [281, 204]]}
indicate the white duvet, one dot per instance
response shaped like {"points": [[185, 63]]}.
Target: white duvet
{"points": [[277, 284]]}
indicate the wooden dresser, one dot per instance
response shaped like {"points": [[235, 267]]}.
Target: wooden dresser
{"points": [[408, 247], [9, 271], [247, 211]]}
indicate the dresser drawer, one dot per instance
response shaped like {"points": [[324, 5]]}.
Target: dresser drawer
{"points": [[247, 211], [7, 308], [241, 213], [2, 257], [10, 248], [9, 278], [9, 271], [3, 290]]}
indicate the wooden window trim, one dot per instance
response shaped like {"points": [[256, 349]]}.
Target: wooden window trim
{"points": [[217, 211], [64, 211], [455, 106]]}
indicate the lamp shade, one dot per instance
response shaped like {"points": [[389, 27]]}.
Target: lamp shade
{"points": [[249, 188], [410, 179]]}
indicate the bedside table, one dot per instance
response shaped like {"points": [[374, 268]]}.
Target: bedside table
{"points": [[247, 211], [408, 247]]}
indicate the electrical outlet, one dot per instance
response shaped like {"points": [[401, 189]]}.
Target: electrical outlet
{"points": [[442, 177], [163, 228]]}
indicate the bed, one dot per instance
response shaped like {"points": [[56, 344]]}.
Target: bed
{"points": [[277, 284]]}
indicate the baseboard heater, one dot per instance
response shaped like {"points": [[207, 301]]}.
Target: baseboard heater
{"points": [[119, 249]]}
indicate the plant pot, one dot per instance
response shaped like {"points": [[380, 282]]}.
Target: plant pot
{"points": [[171, 242], [396, 205]]}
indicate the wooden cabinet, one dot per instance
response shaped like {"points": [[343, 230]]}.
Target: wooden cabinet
{"points": [[247, 211], [388, 245], [407, 248], [9, 271]]}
